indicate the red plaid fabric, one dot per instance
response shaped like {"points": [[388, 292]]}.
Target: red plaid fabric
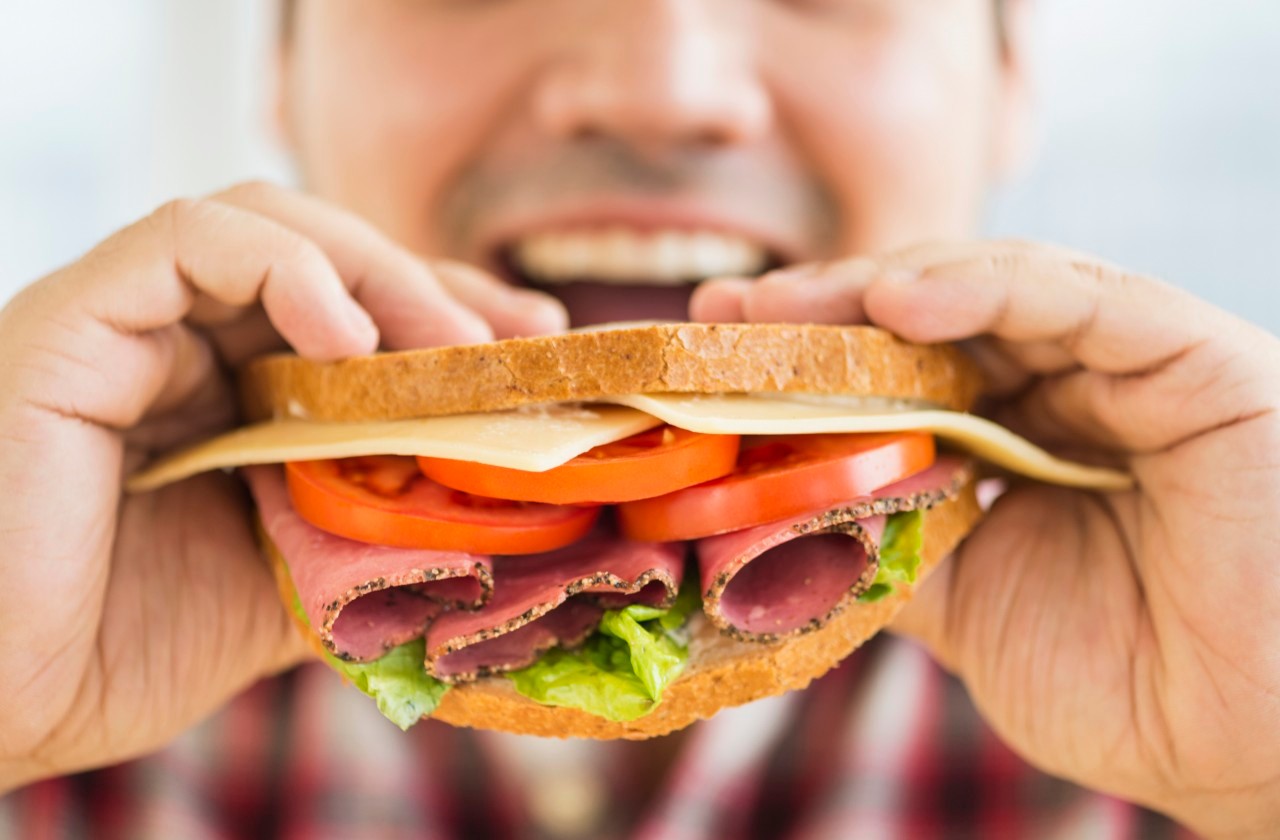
{"points": [[885, 746]]}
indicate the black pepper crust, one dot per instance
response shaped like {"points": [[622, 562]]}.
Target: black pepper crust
{"points": [[840, 520], [575, 588], [568, 643], [408, 579]]}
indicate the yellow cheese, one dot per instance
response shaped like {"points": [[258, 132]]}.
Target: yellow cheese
{"points": [[786, 414], [534, 439], [539, 438]]}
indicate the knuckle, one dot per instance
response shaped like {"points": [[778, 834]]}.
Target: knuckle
{"points": [[292, 249], [996, 266], [1095, 273], [173, 214]]}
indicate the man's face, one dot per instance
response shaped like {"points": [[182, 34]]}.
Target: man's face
{"points": [[614, 152]]}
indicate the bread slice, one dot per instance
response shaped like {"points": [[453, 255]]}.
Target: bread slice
{"points": [[686, 358], [721, 672]]}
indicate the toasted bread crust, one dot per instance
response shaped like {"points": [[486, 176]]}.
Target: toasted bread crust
{"points": [[721, 672], [685, 358]]}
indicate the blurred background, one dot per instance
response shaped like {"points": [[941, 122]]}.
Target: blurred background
{"points": [[1159, 124]]}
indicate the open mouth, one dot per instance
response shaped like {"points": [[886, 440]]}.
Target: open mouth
{"points": [[624, 274]]}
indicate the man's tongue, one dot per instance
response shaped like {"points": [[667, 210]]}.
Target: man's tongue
{"points": [[600, 303]]}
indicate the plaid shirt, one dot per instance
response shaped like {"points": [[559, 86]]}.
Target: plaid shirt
{"points": [[885, 746]]}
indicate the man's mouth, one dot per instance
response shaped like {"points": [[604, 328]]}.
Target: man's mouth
{"points": [[620, 255], [622, 273]]}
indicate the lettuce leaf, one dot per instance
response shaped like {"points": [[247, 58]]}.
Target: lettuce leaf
{"points": [[900, 548], [397, 681], [622, 670], [403, 690]]}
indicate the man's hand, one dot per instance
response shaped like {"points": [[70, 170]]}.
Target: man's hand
{"points": [[124, 619], [1128, 641]]}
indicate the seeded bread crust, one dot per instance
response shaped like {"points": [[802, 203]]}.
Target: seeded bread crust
{"points": [[722, 672], [682, 358]]}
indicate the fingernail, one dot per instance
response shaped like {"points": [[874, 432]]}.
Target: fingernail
{"points": [[361, 324], [471, 326], [545, 315]]}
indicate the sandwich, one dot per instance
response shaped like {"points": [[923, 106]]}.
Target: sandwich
{"points": [[611, 533]]}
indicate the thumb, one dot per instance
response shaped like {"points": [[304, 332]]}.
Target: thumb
{"points": [[983, 610]]}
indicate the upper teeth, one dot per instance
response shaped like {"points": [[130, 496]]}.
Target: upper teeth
{"points": [[620, 255]]}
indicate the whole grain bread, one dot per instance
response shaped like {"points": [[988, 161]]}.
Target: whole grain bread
{"points": [[687, 358], [722, 672]]}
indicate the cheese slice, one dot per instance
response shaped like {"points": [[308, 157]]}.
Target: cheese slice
{"points": [[533, 439], [785, 414], [542, 437]]}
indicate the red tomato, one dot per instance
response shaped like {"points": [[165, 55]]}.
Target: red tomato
{"points": [[385, 500], [648, 464], [777, 477]]}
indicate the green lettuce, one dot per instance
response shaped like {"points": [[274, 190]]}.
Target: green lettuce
{"points": [[403, 690], [900, 548], [621, 671], [397, 681]]}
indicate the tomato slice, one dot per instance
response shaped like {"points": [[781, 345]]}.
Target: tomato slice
{"points": [[777, 477], [386, 500], [649, 464]]}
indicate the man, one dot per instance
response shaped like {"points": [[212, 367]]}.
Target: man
{"points": [[1125, 643]]}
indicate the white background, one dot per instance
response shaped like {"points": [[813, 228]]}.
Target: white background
{"points": [[1160, 123]]}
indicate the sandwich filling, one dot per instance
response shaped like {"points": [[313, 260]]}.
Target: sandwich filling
{"points": [[765, 537]]}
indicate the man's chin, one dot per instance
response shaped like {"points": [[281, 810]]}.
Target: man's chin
{"points": [[601, 303]]}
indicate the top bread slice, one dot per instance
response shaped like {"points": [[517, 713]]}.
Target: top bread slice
{"points": [[663, 358]]}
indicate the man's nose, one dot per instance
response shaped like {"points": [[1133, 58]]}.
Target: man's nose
{"points": [[656, 73]]}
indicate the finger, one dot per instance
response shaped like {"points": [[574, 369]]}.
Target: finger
{"points": [[1104, 318], [91, 337], [819, 292], [406, 301], [153, 273], [812, 293], [1138, 364], [1043, 358], [510, 311], [719, 301], [1002, 376], [816, 293], [1205, 388]]}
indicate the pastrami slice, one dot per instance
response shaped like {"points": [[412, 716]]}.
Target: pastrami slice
{"points": [[568, 625], [372, 624], [541, 600], [790, 577], [364, 599]]}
